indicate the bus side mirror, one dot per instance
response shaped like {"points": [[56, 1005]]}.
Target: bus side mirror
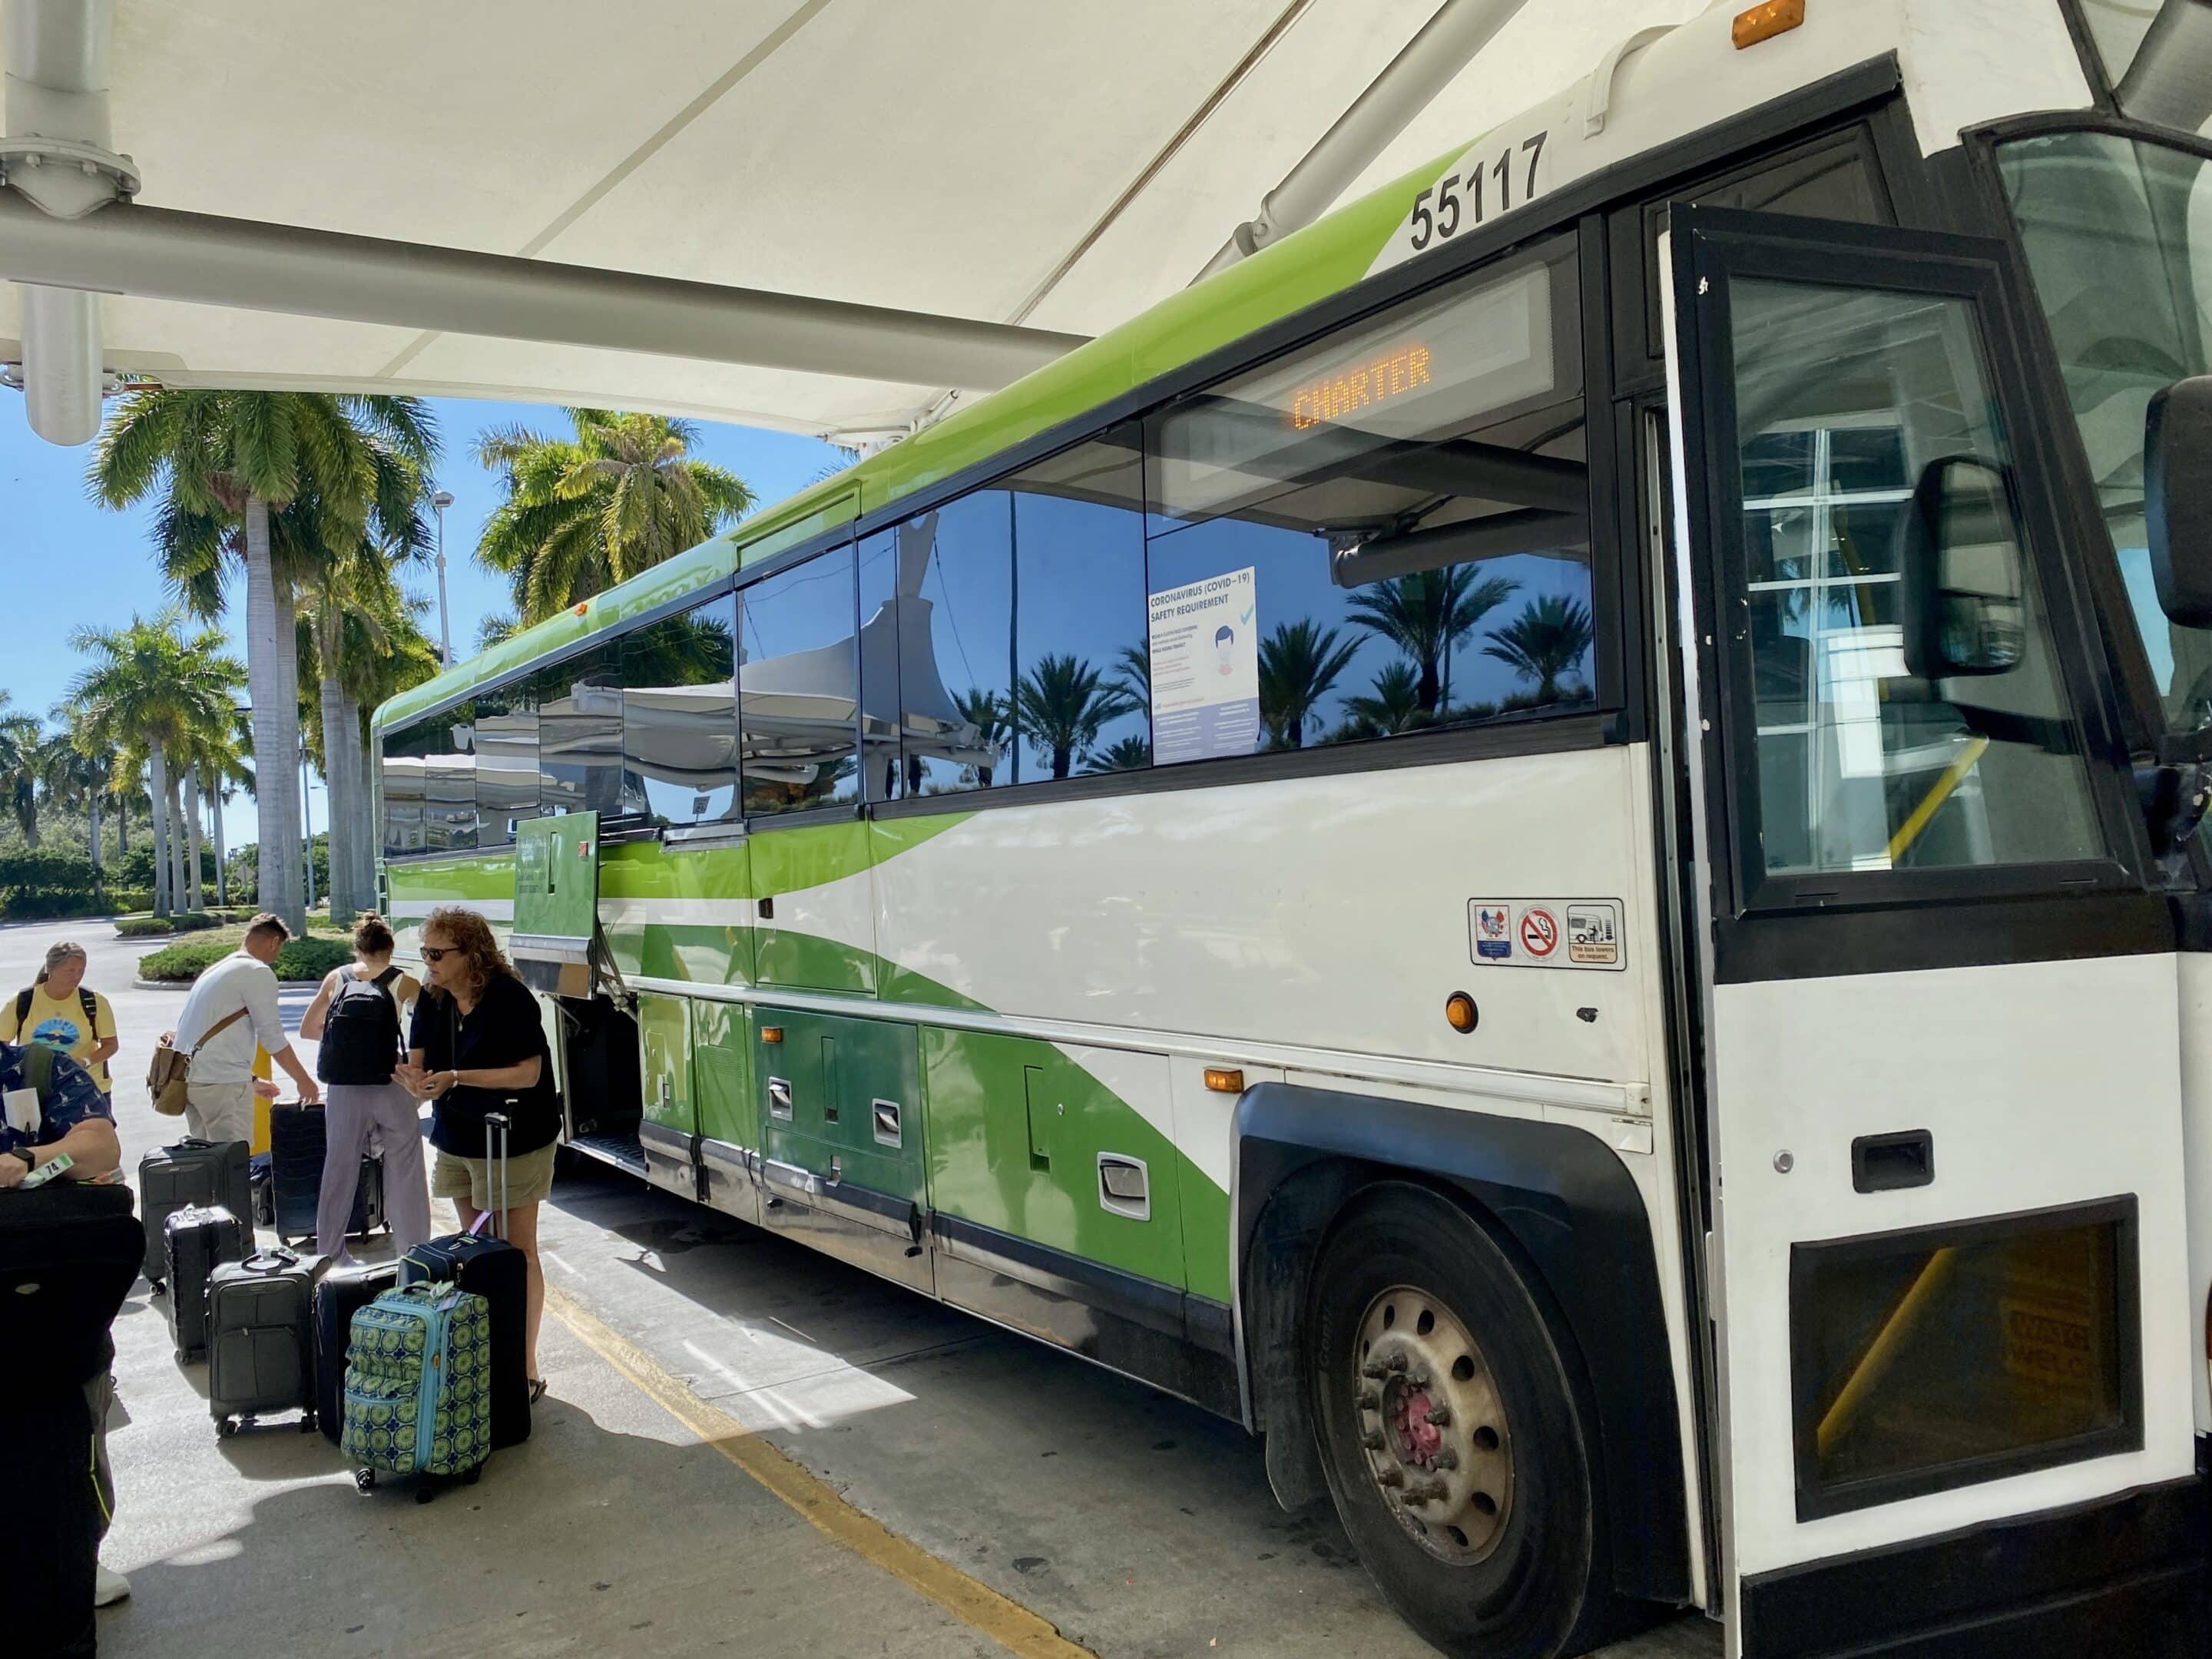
{"points": [[1960, 560], [2178, 499]]}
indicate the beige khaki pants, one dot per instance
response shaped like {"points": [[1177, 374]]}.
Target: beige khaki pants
{"points": [[220, 1111]]}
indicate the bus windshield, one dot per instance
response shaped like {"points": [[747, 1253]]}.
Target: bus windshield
{"points": [[2119, 233]]}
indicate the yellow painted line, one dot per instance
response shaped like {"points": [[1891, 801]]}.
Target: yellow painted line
{"points": [[975, 1604]]}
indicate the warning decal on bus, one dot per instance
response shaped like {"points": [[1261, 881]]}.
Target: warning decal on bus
{"points": [[1546, 932]]}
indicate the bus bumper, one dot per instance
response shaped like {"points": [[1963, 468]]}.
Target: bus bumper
{"points": [[2124, 1575]]}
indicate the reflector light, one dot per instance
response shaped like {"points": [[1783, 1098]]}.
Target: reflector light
{"points": [[582, 606], [1460, 1012], [1224, 1080], [1765, 21], [771, 1034]]}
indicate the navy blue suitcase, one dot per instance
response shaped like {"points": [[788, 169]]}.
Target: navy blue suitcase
{"points": [[339, 1295], [298, 1137]]}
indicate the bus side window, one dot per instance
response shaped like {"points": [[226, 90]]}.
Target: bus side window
{"points": [[799, 686], [506, 760], [679, 731]]}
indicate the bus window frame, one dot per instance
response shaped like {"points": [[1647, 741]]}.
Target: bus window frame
{"points": [[1918, 261]]}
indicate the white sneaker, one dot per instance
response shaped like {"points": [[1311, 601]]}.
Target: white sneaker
{"points": [[108, 1587]]}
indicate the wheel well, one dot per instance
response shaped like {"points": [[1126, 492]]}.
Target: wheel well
{"points": [[1582, 1245]]}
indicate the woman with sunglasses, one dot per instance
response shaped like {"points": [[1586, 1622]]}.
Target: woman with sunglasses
{"points": [[478, 1046]]}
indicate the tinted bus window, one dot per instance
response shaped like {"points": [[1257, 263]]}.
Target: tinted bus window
{"points": [[798, 680], [506, 760], [948, 577], [1385, 534], [430, 801], [579, 733], [679, 718]]}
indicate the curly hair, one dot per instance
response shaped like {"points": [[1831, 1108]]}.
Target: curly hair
{"points": [[471, 934]]}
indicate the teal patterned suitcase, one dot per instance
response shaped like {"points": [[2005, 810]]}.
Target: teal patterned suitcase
{"points": [[418, 1385]]}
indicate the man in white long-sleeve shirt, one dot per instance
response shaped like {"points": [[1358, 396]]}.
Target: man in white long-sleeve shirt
{"points": [[240, 989]]}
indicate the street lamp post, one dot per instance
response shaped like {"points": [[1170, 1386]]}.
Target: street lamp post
{"points": [[441, 501], [307, 822]]}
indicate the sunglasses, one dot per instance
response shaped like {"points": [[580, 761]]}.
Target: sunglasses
{"points": [[439, 953]]}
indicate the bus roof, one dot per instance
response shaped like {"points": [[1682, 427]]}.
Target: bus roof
{"points": [[1662, 84]]}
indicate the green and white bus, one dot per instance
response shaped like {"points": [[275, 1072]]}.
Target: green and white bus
{"points": [[1541, 842]]}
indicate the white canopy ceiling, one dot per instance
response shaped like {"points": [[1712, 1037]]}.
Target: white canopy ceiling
{"points": [[1039, 161]]}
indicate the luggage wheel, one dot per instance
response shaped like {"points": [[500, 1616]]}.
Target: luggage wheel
{"points": [[225, 1427], [364, 1479], [307, 1423], [426, 1494], [471, 1476]]}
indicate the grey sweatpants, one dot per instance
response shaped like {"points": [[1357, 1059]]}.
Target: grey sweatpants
{"points": [[350, 1111]]}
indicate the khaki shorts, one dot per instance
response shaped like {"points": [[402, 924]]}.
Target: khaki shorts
{"points": [[529, 1178]]}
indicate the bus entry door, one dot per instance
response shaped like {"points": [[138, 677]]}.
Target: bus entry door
{"points": [[1935, 1010]]}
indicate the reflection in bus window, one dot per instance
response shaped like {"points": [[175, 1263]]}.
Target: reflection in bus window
{"points": [[1846, 401], [940, 603], [679, 719], [798, 678], [429, 803], [580, 735], [507, 759], [1383, 535]]}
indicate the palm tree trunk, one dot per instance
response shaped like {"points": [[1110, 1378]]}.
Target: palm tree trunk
{"points": [[272, 684], [194, 892], [158, 765], [180, 891], [92, 807], [338, 770], [364, 840], [221, 859], [122, 826]]}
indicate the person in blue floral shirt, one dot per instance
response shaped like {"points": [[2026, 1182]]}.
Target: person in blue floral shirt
{"points": [[71, 1117]]}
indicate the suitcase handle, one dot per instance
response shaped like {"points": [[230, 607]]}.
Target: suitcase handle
{"points": [[270, 1260]]}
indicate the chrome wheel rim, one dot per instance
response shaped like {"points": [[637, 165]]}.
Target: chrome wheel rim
{"points": [[1431, 1426]]}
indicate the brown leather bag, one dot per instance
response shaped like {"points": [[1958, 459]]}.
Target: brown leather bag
{"points": [[168, 1075]]}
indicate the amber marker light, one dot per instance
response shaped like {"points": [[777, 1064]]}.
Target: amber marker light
{"points": [[1765, 21], [771, 1034], [1224, 1080], [582, 606], [1460, 1012]]}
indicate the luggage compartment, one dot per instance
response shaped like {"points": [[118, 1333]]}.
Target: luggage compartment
{"points": [[602, 1097]]}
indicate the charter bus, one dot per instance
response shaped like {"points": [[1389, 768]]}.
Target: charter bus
{"points": [[1542, 842]]}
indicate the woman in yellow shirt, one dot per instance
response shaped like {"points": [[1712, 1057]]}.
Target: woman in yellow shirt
{"points": [[58, 1011]]}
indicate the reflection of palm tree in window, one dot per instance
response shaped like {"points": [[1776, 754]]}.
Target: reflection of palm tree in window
{"points": [[1129, 754], [1298, 664], [1544, 642], [1061, 704], [1425, 615], [986, 712], [1137, 673], [1393, 706]]}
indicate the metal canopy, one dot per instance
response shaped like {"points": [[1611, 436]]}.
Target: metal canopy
{"points": [[1053, 167]]}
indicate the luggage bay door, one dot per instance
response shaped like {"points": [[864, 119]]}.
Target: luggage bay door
{"points": [[556, 902], [1937, 1009]]}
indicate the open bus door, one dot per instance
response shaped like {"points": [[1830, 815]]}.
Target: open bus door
{"points": [[1936, 1009]]}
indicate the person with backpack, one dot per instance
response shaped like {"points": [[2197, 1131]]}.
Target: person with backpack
{"points": [[356, 1021], [58, 1010]]}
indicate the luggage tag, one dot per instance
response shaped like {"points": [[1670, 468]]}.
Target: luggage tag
{"points": [[22, 1107]]}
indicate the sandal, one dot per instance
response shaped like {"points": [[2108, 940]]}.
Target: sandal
{"points": [[536, 1389]]}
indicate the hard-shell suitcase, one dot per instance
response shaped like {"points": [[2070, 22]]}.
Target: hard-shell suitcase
{"points": [[339, 1295], [200, 1239], [298, 1137], [259, 1176], [416, 1395], [189, 1172], [497, 1271], [261, 1344], [68, 1254]]}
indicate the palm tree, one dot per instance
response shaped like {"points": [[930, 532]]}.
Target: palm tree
{"points": [[21, 740], [1543, 642], [585, 512], [1298, 664], [1137, 671], [1130, 754], [215, 757], [986, 712], [1393, 706], [75, 773], [222, 463], [1425, 615], [1059, 705], [148, 688]]}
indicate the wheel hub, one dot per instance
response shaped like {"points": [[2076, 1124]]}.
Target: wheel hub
{"points": [[1431, 1426]]}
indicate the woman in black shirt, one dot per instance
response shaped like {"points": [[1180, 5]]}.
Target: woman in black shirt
{"points": [[478, 1046]]}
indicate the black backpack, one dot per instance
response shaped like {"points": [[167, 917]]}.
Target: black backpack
{"points": [[361, 1030]]}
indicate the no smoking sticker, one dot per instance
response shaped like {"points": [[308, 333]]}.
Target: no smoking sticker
{"points": [[1584, 933]]}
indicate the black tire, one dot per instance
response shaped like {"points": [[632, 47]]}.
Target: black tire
{"points": [[1535, 1586]]}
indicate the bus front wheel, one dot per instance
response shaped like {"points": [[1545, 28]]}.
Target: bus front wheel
{"points": [[1448, 1433]]}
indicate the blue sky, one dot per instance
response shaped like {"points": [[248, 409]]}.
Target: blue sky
{"points": [[71, 563]]}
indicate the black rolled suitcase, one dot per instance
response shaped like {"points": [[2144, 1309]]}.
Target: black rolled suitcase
{"points": [[189, 1172], [261, 1342], [339, 1295], [298, 1137], [498, 1272], [200, 1239]]}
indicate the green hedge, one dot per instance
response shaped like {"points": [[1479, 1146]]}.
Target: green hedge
{"points": [[301, 959], [184, 921]]}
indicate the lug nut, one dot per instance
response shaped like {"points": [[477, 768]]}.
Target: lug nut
{"points": [[1446, 1459], [1371, 1439], [1374, 1370], [1370, 1401], [1392, 1476], [1440, 1415], [1394, 1363]]}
